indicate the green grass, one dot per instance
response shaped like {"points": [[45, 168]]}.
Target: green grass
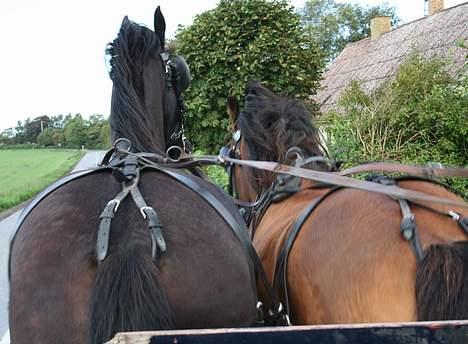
{"points": [[25, 172]]}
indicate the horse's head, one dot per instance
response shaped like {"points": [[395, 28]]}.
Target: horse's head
{"points": [[270, 128], [147, 107]]}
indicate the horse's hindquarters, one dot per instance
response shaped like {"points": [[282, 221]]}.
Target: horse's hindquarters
{"points": [[205, 275], [349, 263]]}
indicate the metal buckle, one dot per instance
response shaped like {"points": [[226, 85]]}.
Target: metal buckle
{"points": [[116, 203], [142, 211], [454, 215], [122, 139], [175, 149], [236, 136], [282, 314]]}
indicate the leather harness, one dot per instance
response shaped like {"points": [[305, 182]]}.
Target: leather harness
{"points": [[283, 187]]}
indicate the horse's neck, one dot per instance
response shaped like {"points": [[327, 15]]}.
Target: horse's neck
{"points": [[154, 99]]}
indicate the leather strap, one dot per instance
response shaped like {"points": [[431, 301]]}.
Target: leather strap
{"points": [[154, 223], [102, 242], [435, 171], [280, 281], [409, 231], [334, 179]]}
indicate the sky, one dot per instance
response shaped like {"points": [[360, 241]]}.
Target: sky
{"points": [[52, 57]]}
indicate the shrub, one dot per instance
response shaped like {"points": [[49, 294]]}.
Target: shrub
{"points": [[418, 117], [238, 41]]}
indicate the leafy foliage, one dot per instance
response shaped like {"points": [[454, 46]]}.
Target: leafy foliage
{"points": [[238, 41], [59, 131], [419, 117], [333, 25]]}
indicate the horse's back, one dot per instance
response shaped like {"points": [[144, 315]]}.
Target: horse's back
{"points": [[206, 276], [349, 262]]}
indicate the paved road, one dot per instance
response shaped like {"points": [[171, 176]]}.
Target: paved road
{"points": [[91, 159]]}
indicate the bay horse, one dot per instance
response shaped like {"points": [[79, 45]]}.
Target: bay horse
{"points": [[341, 255], [63, 291]]}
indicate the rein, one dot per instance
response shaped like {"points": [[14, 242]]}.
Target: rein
{"points": [[434, 171], [332, 178]]}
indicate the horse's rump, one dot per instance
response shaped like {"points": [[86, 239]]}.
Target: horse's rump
{"points": [[349, 262], [203, 273]]}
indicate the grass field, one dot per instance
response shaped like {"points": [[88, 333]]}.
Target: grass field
{"points": [[25, 172]]}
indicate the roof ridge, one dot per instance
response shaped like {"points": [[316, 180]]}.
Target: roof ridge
{"points": [[374, 61], [408, 23]]}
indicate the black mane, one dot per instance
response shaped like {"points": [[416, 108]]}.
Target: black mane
{"points": [[271, 125], [129, 54]]}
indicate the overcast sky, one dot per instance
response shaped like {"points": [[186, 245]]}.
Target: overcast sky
{"points": [[52, 51]]}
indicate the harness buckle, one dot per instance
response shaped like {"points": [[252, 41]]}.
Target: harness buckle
{"points": [[407, 227], [116, 204], [142, 211], [281, 314], [260, 316], [454, 215]]}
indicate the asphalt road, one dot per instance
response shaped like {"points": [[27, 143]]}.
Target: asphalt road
{"points": [[7, 225]]}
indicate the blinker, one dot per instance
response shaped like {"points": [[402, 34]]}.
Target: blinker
{"points": [[236, 136], [225, 151]]}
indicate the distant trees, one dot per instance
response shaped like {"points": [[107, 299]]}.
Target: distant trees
{"points": [[70, 131], [332, 24]]}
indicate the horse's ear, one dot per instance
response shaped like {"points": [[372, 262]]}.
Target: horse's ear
{"points": [[159, 26], [125, 22], [232, 108]]}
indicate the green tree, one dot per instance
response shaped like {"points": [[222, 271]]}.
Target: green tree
{"points": [[333, 25], [33, 127], [238, 41], [93, 132], [105, 135], [46, 138], [75, 132]]}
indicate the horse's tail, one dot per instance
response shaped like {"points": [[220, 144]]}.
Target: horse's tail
{"points": [[127, 296], [442, 282]]}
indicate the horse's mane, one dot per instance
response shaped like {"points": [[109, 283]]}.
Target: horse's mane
{"points": [[129, 53], [271, 125]]}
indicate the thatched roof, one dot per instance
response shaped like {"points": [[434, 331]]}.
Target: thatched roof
{"points": [[374, 61]]}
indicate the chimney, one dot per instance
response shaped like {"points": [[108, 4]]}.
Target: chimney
{"points": [[435, 6], [379, 25]]}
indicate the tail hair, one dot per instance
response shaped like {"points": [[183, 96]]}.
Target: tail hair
{"points": [[442, 283], [127, 296]]}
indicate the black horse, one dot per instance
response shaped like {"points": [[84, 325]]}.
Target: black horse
{"points": [[65, 288]]}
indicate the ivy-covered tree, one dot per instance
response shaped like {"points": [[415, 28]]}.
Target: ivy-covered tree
{"points": [[333, 24], [238, 41]]}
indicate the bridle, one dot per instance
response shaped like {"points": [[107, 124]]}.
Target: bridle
{"points": [[232, 150], [177, 76], [247, 209]]}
